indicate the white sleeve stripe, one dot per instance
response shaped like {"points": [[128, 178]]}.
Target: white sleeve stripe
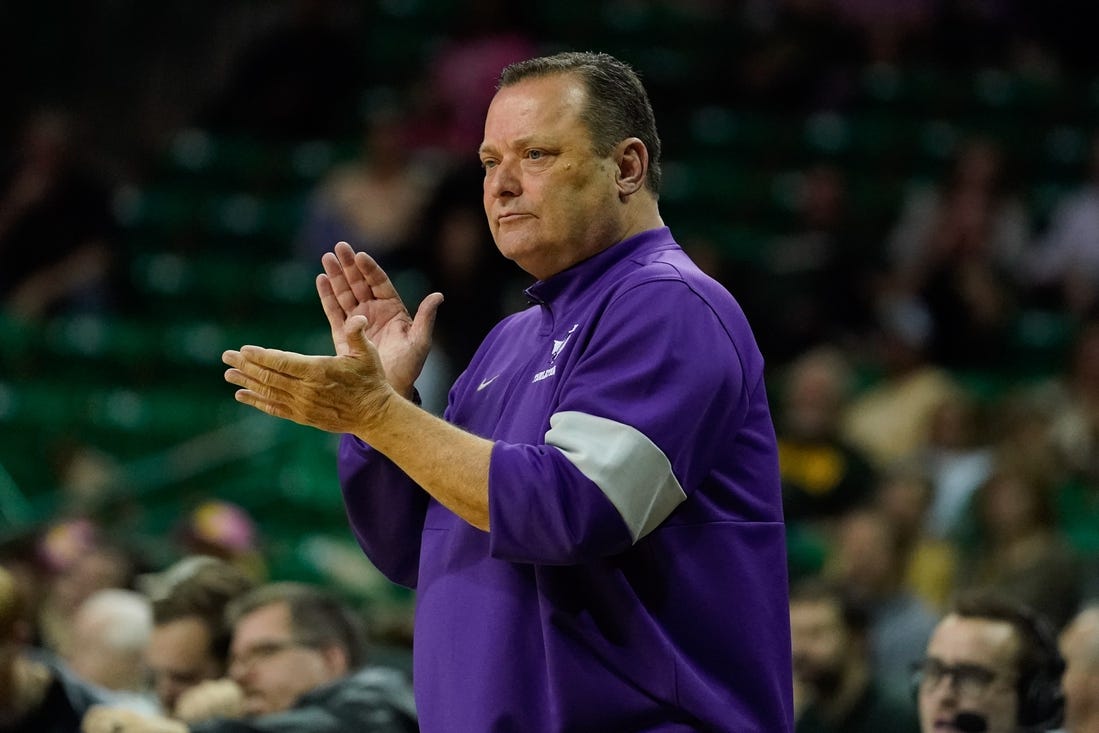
{"points": [[627, 467]]}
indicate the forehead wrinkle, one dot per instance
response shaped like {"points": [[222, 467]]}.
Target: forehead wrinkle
{"points": [[525, 103]]}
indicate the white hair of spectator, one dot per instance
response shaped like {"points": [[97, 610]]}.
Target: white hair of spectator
{"points": [[110, 631], [124, 618]]}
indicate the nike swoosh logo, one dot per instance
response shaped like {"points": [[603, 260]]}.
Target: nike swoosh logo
{"points": [[486, 382]]}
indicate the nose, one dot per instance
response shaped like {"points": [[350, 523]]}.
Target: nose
{"points": [[238, 669], [502, 179]]}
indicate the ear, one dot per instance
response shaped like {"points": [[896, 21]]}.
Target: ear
{"points": [[632, 159], [336, 659]]}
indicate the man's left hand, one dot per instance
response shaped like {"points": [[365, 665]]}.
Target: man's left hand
{"points": [[340, 394]]}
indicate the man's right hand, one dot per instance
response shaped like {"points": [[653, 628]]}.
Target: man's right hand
{"points": [[210, 699], [354, 284]]}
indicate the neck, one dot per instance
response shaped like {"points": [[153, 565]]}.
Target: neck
{"points": [[643, 214], [851, 689]]}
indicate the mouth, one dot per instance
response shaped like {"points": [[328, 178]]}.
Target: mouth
{"points": [[513, 216]]}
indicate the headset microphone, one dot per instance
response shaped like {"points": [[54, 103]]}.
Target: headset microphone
{"points": [[970, 723]]}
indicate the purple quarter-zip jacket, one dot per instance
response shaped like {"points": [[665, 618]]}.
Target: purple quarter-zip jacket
{"points": [[634, 575]]}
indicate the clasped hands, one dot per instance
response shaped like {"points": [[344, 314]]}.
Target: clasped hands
{"points": [[380, 352], [221, 698]]}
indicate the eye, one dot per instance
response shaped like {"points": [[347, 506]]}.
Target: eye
{"points": [[488, 163], [535, 154]]}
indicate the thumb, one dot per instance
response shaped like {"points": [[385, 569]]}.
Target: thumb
{"points": [[424, 322], [354, 330]]}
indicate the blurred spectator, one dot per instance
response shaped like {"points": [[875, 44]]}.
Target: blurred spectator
{"points": [[296, 664], [299, 78], [1065, 442], [822, 475], [815, 284], [959, 246], [1080, 648], [1022, 435], [1063, 267], [21, 559], [80, 561], [991, 665], [959, 457], [835, 688], [35, 694], [86, 475], [1074, 430], [1018, 551], [904, 498], [870, 564], [374, 201], [110, 632], [889, 420], [223, 530], [57, 231], [189, 641]]}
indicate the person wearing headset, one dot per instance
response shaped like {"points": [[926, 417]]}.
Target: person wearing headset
{"points": [[992, 666]]}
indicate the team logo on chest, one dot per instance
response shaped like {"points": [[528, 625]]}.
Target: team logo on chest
{"points": [[558, 345]]}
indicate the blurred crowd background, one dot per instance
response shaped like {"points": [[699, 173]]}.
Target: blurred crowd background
{"points": [[903, 195]]}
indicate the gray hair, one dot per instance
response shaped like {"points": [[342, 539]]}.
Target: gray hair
{"points": [[124, 616], [617, 105]]}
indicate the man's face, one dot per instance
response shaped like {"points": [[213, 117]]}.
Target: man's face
{"points": [[178, 657], [272, 666], [1081, 678], [974, 671], [819, 643], [550, 201]]}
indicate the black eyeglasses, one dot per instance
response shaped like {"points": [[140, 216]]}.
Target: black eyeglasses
{"points": [[969, 680], [265, 650]]}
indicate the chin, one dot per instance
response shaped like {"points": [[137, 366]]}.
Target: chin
{"points": [[523, 254]]}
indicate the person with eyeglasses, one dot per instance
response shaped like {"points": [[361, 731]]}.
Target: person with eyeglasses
{"points": [[189, 642], [296, 665], [992, 666]]}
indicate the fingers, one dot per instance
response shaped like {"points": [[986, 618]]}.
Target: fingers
{"points": [[353, 331], [318, 391], [340, 277], [424, 323], [269, 374], [359, 344], [276, 360], [374, 276], [330, 303], [260, 387], [355, 278]]}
